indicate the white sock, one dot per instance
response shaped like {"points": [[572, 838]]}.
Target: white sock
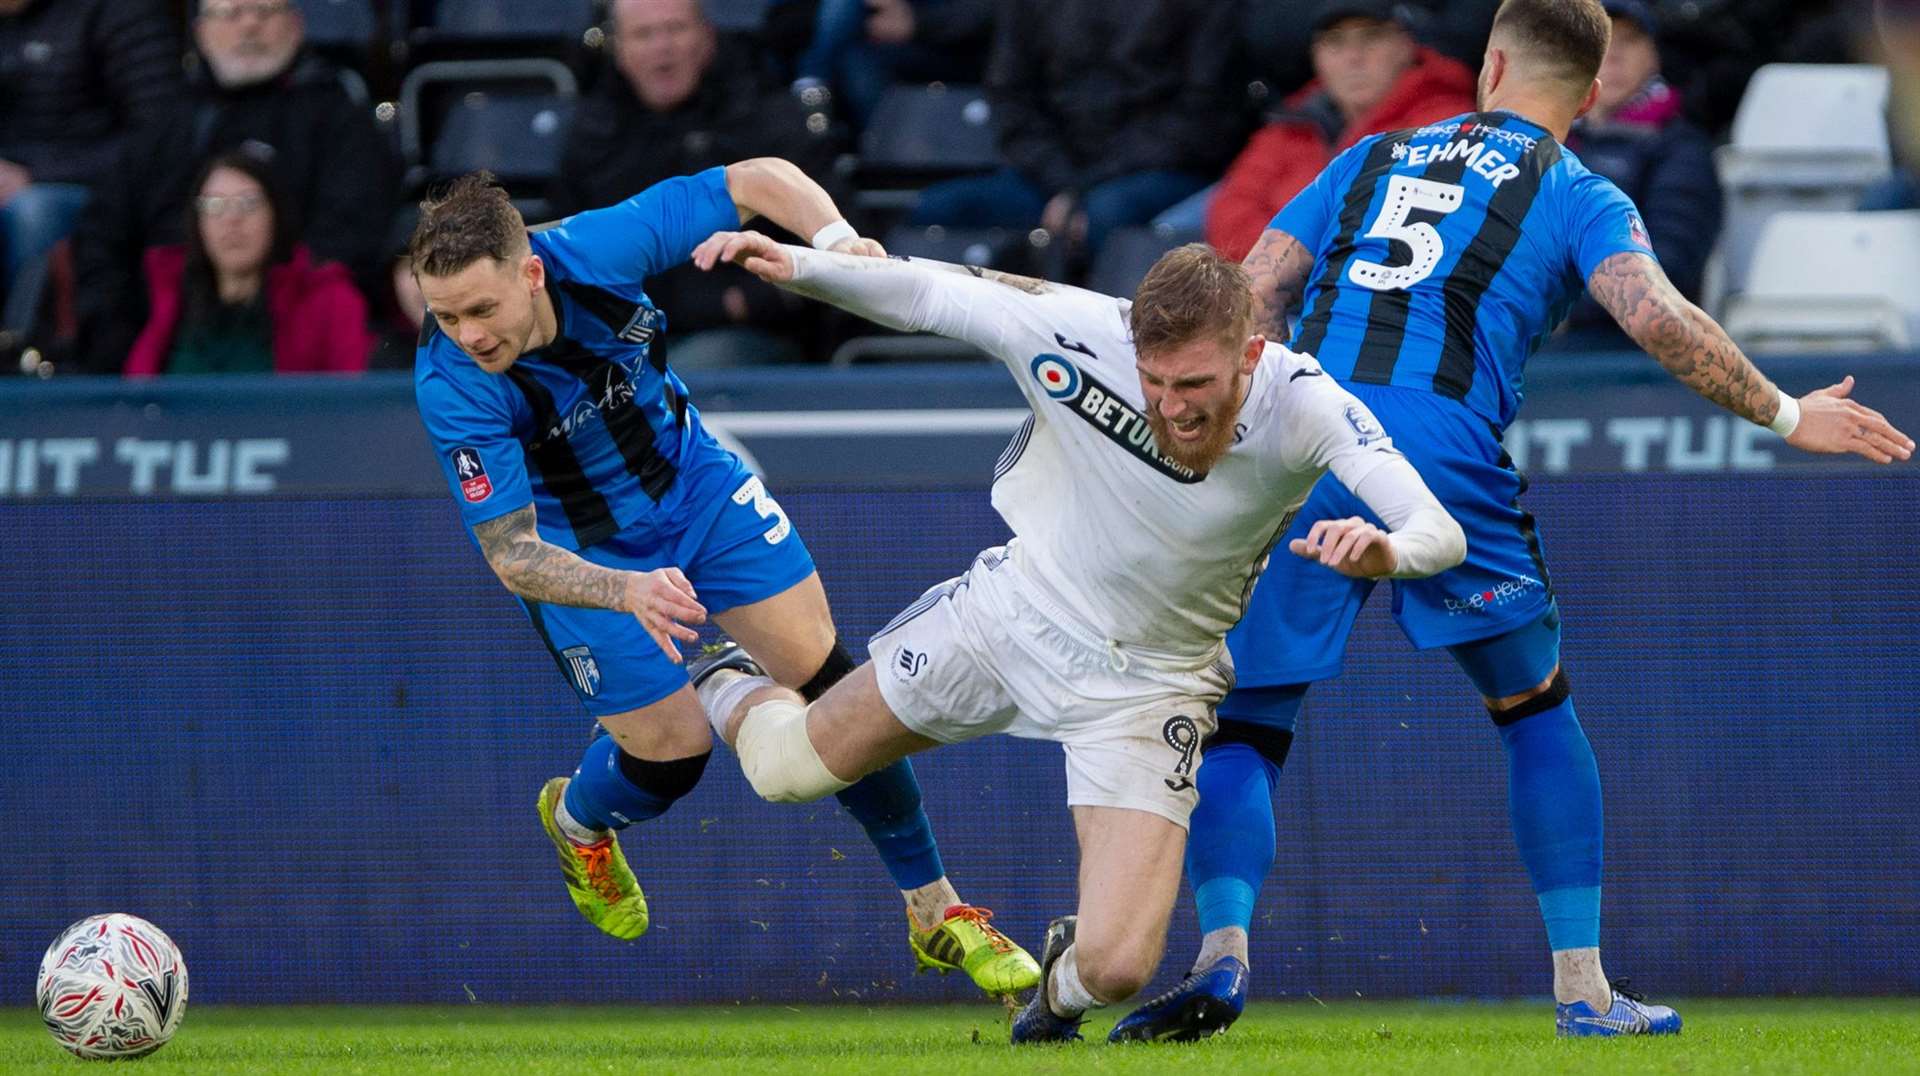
{"points": [[1227, 941], [1578, 976], [576, 831], [1067, 996], [723, 693]]}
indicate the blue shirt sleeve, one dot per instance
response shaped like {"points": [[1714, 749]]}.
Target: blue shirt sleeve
{"points": [[1601, 221], [1313, 212], [649, 233], [472, 435]]}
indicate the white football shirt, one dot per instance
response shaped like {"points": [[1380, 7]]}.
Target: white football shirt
{"points": [[1157, 560]]}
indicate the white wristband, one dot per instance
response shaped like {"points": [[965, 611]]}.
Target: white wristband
{"points": [[837, 232], [1787, 419]]}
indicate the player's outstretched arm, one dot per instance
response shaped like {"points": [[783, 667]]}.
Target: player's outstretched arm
{"points": [[1279, 265], [1696, 350], [537, 570], [778, 190], [911, 296]]}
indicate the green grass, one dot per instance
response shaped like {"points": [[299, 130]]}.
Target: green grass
{"points": [[1772, 1036]]}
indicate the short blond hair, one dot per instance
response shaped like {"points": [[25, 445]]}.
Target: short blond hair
{"points": [[1189, 294]]}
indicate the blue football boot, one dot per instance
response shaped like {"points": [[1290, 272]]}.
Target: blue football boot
{"points": [[1630, 1015], [1036, 1022], [1205, 1003]]}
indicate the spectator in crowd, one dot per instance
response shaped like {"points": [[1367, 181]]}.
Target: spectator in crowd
{"points": [[860, 47], [75, 77], [1109, 113], [404, 312], [1636, 136], [241, 295], [257, 85], [680, 106], [1370, 75]]}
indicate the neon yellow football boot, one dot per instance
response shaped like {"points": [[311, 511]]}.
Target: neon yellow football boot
{"points": [[598, 880], [966, 941]]}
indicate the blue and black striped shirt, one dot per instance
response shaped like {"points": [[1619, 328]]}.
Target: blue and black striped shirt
{"points": [[1445, 254]]}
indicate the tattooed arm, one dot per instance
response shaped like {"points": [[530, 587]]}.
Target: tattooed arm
{"points": [[540, 571], [1279, 266], [1691, 345], [1696, 350]]}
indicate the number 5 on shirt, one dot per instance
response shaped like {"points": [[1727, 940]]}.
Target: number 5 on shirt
{"points": [[1404, 195]]}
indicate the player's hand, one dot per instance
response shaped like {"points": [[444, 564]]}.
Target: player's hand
{"points": [[751, 251], [1349, 546], [889, 22], [663, 602], [860, 246], [14, 178], [1829, 422]]}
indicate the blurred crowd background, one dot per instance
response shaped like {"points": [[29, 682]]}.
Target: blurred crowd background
{"points": [[226, 186]]}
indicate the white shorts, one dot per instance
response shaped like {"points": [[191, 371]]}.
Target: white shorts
{"points": [[986, 652]]}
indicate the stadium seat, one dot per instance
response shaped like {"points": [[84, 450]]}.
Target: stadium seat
{"points": [[996, 248], [1832, 282], [507, 115], [1125, 258], [919, 134], [515, 136], [1806, 137], [932, 128], [736, 16], [516, 19], [339, 23]]}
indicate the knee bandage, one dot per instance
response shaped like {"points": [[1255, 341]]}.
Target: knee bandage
{"points": [[779, 759]]}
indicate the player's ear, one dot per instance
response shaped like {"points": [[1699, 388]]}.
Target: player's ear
{"points": [[536, 272], [1256, 346], [1593, 94], [1493, 70]]}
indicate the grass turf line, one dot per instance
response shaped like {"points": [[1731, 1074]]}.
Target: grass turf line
{"points": [[1721, 1036]]}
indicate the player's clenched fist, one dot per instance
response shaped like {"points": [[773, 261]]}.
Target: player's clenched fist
{"points": [[1350, 546], [663, 602]]}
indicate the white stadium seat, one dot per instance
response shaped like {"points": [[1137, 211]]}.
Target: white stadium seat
{"points": [[1832, 281], [1806, 137]]}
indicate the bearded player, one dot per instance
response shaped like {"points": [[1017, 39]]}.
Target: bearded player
{"points": [[1168, 449]]}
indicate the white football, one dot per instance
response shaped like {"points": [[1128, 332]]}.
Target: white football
{"points": [[112, 986]]}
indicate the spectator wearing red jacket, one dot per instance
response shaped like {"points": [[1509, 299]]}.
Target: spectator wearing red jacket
{"points": [[1370, 75], [241, 296]]}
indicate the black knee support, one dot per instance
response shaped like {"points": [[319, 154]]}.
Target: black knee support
{"points": [[833, 670], [1556, 693], [1272, 743], [668, 780]]}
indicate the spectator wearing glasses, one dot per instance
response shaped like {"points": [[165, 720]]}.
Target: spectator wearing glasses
{"points": [[258, 86], [75, 77], [241, 296]]}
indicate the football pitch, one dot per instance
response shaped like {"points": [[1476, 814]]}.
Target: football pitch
{"points": [[1770, 1036]]}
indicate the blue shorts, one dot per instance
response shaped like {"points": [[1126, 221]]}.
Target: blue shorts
{"points": [[736, 547], [1296, 626]]}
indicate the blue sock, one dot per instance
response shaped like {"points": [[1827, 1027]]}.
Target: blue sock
{"points": [[1230, 840], [1553, 792], [886, 803], [602, 796]]}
